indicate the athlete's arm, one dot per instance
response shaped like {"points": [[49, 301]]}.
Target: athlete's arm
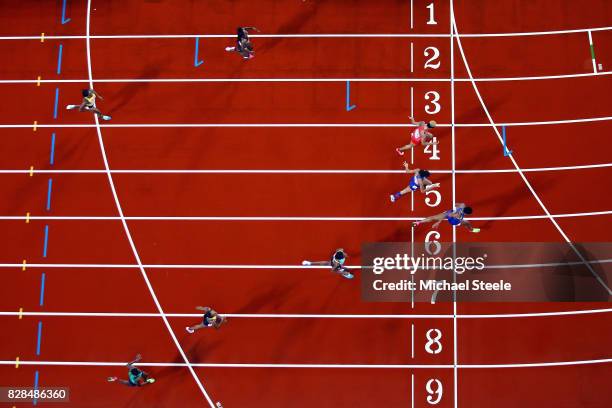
{"points": [[82, 107], [97, 95], [467, 224], [204, 309], [421, 185], [407, 167], [137, 359], [412, 120]]}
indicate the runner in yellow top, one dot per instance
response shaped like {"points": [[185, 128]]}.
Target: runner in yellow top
{"points": [[89, 104]]}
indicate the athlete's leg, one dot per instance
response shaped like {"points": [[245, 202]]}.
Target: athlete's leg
{"points": [[192, 329], [438, 218], [398, 195], [401, 150], [317, 263]]}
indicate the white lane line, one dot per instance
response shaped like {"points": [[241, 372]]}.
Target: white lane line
{"points": [[411, 14], [454, 199], [289, 171], [264, 267], [298, 125], [334, 366], [264, 80], [126, 228], [316, 316], [206, 218], [354, 35], [514, 162]]}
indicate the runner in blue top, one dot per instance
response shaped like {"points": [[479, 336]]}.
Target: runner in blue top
{"points": [[454, 218], [136, 376], [419, 181]]}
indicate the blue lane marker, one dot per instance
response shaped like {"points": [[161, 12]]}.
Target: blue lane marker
{"points": [[349, 107], [196, 62], [46, 241], [35, 386], [52, 149], [38, 339], [42, 288], [49, 187], [64, 19], [506, 151], [59, 59], [56, 102]]}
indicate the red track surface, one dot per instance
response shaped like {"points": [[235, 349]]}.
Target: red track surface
{"points": [[281, 341]]}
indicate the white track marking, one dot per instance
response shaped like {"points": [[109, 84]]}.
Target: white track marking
{"points": [[331, 366], [315, 316], [205, 218], [591, 52], [252, 266], [454, 199], [160, 36], [511, 157], [126, 228], [298, 125], [213, 80], [289, 171]]}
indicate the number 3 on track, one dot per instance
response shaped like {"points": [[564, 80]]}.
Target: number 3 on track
{"points": [[433, 99]]}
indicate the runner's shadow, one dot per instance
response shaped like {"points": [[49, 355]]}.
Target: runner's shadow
{"points": [[130, 92], [274, 298], [502, 203]]}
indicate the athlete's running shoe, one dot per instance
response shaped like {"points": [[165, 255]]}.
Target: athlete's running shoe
{"points": [[399, 151], [306, 263], [106, 117], [189, 330]]}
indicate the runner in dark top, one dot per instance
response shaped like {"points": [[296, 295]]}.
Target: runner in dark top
{"points": [[136, 376], [210, 319], [244, 46], [336, 262]]}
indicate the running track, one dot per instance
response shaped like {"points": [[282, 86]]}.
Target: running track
{"points": [[214, 182]]}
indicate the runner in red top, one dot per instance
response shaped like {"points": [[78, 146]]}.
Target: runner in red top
{"points": [[419, 136]]}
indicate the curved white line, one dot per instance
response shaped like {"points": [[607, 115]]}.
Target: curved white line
{"points": [[300, 125], [330, 366], [316, 316], [214, 80], [527, 183], [125, 226], [347, 35], [289, 171], [205, 218]]}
